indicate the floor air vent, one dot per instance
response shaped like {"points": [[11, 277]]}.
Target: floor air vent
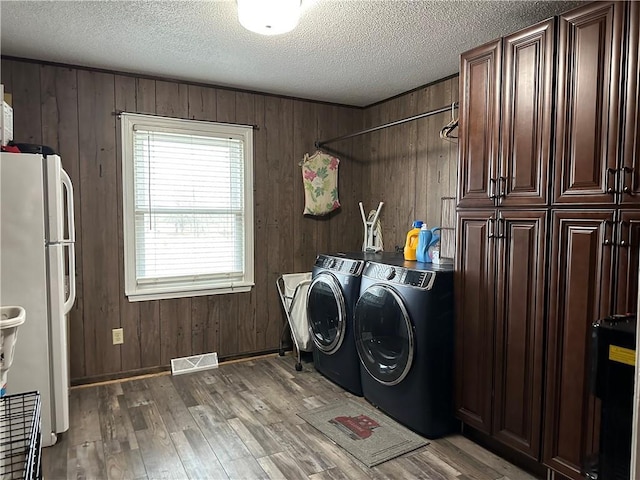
{"points": [[194, 363]]}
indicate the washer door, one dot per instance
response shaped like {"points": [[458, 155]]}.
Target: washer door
{"points": [[326, 312], [384, 334]]}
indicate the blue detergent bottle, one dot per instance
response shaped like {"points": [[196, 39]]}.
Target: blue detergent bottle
{"points": [[426, 239]]}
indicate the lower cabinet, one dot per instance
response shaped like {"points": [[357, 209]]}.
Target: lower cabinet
{"points": [[475, 323], [500, 288], [594, 273], [580, 291], [627, 256]]}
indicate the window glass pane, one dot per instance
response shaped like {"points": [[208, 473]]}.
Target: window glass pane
{"points": [[203, 173], [188, 204], [185, 244], [188, 197]]}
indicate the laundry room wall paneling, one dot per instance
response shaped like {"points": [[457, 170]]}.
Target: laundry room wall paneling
{"points": [[72, 110], [409, 166]]}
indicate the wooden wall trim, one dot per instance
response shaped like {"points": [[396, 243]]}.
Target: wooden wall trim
{"points": [[408, 92]]}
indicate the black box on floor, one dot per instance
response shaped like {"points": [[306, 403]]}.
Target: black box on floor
{"points": [[612, 381]]}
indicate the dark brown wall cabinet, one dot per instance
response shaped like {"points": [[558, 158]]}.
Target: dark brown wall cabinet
{"points": [[630, 176], [594, 274], [581, 281], [594, 267], [480, 115], [475, 323], [506, 107], [588, 105], [511, 132], [506, 93], [500, 324]]}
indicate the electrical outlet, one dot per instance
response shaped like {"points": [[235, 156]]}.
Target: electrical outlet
{"points": [[118, 336]]}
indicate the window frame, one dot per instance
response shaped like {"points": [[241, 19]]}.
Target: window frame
{"points": [[136, 291]]}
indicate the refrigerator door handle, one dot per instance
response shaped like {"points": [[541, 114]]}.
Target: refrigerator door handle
{"points": [[68, 190], [68, 303], [69, 243]]}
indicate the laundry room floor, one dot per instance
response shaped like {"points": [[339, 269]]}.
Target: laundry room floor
{"points": [[238, 421]]}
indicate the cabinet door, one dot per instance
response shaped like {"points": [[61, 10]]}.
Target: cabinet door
{"points": [[475, 274], [520, 304], [581, 277], [628, 245], [479, 125], [587, 108], [526, 115], [631, 144]]}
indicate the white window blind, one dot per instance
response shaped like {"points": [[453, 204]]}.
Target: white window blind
{"points": [[187, 219]]}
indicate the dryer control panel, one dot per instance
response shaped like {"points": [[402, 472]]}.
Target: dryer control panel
{"points": [[399, 275], [343, 265]]}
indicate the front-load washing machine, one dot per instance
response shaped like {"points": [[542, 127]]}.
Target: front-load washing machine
{"points": [[332, 295], [404, 331]]}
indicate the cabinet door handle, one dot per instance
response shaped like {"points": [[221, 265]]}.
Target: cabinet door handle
{"points": [[626, 189], [625, 226], [502, 187], [492, 188], [606, 242], [611, 171], [490, 230], [502, 228]]}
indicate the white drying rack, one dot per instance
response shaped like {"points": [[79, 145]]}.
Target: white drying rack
{"points": [[370, 230]]}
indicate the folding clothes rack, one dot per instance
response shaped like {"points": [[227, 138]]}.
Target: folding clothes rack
{"points": [[372, 231]]}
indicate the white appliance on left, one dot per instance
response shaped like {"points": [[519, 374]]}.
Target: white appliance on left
{"points": [[36, 254]]}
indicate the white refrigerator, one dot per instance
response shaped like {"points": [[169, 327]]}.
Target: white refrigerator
{"points": [[37, 257]]}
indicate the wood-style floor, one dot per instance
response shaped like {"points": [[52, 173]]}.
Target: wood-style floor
{"points": [[238, 421]]}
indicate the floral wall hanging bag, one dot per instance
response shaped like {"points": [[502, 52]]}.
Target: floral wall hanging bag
{"points": [[320, 179]]}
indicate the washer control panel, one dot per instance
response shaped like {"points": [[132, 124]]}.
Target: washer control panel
{"points": [[337, 264], [399, 275]]}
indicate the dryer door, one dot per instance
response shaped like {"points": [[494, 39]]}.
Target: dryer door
{"points": [[384, 334], [326, 312]]}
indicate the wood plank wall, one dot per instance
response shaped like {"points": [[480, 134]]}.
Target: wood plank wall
{"points": [[72, 110], [408, 167]]}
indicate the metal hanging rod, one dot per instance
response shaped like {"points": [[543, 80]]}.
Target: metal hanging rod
{"points": [[387, 125]]}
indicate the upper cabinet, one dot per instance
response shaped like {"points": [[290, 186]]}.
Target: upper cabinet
{"points": [[587, 169], [480, 113], [525, 132], [505, 146], [630, 176]]}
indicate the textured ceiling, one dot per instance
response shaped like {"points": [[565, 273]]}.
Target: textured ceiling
{"points": [[350, 52]]}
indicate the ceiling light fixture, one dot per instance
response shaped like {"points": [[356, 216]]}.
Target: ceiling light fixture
{"points": [[269, 17]]}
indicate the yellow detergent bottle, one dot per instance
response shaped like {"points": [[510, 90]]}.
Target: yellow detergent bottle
{"points": [[411, 244]]}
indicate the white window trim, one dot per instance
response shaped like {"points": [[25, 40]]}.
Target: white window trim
{"points": [[141, 292]]}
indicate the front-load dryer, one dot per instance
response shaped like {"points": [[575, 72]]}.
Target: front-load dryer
{"points": [[404, 321], [332, 295]]}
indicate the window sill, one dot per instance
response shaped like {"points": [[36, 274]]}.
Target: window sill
{"points": [[143, 296]]}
